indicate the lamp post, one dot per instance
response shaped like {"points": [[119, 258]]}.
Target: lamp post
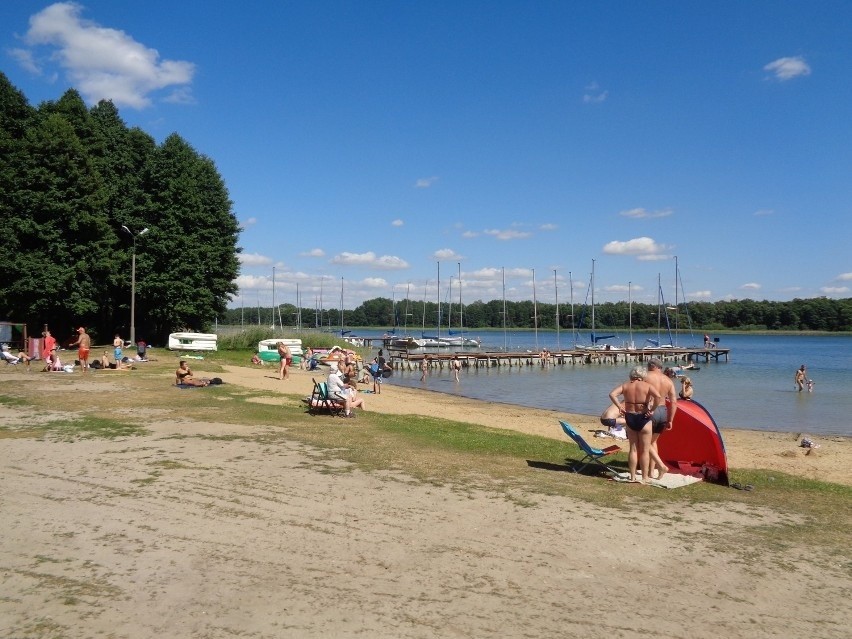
{"points": [[133, 282]]}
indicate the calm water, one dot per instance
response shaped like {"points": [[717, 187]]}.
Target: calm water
{"points": [[753, 390]]}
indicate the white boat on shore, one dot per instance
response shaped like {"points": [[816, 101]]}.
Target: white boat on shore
{"points": [[192, 341]]}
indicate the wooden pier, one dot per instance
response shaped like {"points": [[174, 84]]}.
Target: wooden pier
{"points": [[401, 359]]}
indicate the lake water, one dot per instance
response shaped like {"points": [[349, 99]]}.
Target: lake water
{"points": [[754, 389]]}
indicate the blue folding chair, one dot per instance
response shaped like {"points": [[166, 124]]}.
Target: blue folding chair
{"points": [[593, 455]]}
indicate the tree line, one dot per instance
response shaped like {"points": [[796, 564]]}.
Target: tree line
{"points": [[816, 314], [77, 189]]}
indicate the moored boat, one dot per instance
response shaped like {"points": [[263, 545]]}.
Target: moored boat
{"points": [[192, 341]]}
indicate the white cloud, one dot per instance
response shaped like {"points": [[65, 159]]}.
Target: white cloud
{"points": [[594, 94], [253, 282], [700, 295], [104, 63], [763, 212], [248, 222], [751, 286], [788, 68], [26, 60], [470, 234], [844, 277], [548, 227], [644, 248], [254, 259], [181, 95], [375, 282], [316, 252], [369, 258], [621, 288], [507, 234], [397, 222], [446, 254], [834, 290], [640, 213], [425, 183]]}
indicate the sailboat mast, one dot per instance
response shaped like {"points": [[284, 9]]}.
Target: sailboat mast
{"points": [[439, 300], [461, 307], [425, 293], [573, 327], [676, 301], [505, 342], [592, 286], [556, 294], [659, 306], [407, 302], [341, 307], [630, 309], [450, 307], [535, 312]]}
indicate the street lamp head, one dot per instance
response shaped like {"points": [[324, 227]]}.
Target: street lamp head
{"points": [[143, 231], [126, 230]]}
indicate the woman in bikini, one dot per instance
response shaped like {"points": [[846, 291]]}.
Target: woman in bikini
{"points": [[639, 401]]}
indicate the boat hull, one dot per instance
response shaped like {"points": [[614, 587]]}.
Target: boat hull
{"points": [[192, 342]]}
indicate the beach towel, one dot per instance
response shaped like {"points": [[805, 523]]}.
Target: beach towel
{"points": [[670, 480]]}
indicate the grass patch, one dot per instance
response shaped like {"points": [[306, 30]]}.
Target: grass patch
{"points": [[6, 400], [88, 427]]}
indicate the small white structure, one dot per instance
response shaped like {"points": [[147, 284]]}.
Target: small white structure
{"points": [[192, 342]]}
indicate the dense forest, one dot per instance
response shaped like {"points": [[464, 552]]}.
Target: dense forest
{"points": [[818, 314], [78, 189]]}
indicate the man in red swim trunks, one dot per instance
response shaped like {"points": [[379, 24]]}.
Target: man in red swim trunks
{"points": [[84, 344]]}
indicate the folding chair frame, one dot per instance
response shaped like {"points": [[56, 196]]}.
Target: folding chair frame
{"points": [[320, 401], [593, 455]]}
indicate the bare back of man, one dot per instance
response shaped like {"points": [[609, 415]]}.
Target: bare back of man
{"points": [[663, 417]]}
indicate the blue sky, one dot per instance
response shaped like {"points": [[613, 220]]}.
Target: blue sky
{"points": [[364, 142]]}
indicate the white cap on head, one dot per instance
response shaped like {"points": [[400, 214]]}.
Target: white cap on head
{"points": [[333, 366]]}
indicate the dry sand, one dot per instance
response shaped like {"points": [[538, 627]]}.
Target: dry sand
{"points": [[189, 532]]}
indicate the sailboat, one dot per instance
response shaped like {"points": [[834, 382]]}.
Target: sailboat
{"points": [[595, 338], [405, 340], [432, 341], [662, 311], [459, 338]]}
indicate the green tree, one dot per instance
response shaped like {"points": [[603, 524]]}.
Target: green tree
{"points": [[187, 268]]}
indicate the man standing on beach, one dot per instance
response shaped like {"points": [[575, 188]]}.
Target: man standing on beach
{"points": [[663, 417], [84, 344]]}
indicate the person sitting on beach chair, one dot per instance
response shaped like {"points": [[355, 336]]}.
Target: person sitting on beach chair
{"points": [[339, 391], [7, 355]]}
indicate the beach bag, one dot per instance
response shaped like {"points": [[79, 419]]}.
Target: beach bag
{"points": [[216, 381]]}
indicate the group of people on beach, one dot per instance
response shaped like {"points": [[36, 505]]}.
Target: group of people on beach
{"points": [[646, 405], [47, 349]]}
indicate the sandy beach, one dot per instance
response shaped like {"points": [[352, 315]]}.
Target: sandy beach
{"points": [[204, 529], [745, 448]]}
